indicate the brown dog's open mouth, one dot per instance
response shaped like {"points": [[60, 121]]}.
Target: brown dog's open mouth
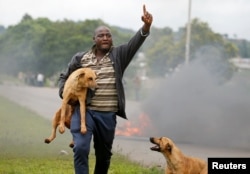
{"points": [[155, 148]]}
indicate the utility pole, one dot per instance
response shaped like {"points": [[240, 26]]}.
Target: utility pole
{"points": [[187, 54]]}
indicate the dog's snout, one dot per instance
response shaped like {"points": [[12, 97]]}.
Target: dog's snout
{"points": [[151, 139]]}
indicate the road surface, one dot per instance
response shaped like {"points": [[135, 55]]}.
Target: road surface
{"points": [[45, 102]]}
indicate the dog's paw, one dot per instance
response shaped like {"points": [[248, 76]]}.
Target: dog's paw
{"points": [[47, 141], [71, 145], [61, 129]]}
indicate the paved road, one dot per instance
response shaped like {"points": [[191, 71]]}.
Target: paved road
{"points": [[45, 102]]}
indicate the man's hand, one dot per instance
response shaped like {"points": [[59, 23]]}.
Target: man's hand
{"points": [[147, 18]]}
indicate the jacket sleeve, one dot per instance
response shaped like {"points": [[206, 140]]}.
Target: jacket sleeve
{"points": [[127, 51], [74, 64]]}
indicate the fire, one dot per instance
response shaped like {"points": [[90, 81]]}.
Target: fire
{"points": [[135, 127]]}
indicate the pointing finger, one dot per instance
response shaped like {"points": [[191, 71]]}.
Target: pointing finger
{"points": [[144, 9]]}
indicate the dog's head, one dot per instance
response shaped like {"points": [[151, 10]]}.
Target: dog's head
{"points": [[162, 144], [87, 78]]}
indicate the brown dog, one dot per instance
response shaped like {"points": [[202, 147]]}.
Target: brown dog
{"points": [[177, 162], [75, 89]]}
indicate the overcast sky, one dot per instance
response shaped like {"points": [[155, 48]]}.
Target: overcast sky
{"points": [[223, 16]]}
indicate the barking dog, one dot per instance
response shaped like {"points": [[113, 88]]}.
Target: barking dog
{"points": [[177, 162], [75, 89]]}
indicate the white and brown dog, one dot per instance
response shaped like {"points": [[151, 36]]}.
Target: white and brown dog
{"points": [[75, 89]]}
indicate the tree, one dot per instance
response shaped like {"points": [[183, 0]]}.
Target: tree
{"points": [[39, 45], [43, 46], [168, 49]]}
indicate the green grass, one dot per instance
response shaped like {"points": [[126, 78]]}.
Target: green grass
{"points": [[22, 150]]}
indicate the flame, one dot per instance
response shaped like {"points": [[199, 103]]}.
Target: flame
{"points": [[136, 127]]}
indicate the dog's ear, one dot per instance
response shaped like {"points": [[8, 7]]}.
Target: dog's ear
{"points": [[169, 147], [81, 75]]}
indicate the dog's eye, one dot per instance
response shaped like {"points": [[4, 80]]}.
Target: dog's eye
{"points": [[90, 78]]}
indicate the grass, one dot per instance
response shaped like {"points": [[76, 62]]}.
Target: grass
{"points": [[24, 152]]}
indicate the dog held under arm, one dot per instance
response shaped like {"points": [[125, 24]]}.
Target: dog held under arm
{"points": [[75, 89]]}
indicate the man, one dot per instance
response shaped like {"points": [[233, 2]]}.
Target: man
{"points": [[109, 62]]}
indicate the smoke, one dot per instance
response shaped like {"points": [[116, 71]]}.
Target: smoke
{"points": [[192, 107]]}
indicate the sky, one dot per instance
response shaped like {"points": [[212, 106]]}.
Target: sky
{"points": [[223, 16]]}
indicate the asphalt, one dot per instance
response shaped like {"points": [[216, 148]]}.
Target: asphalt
{"points": [[45, 101]]}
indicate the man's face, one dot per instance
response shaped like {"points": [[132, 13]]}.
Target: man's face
{"points": [[103, 39]]}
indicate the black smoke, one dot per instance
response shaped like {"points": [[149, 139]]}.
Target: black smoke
{"points": [[193, 106]]}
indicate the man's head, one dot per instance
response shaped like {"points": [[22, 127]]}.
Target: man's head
{"points": [[103, 39]]}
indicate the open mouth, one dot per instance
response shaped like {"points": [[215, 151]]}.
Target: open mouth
{"points": [[155, 148], [105, 44]]}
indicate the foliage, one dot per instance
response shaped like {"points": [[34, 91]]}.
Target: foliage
{"points": [[44, 46], [168, 51], [40, 45], [2, 29], [243, 46]]}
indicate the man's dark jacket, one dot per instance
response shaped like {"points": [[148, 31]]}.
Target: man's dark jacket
{"points": [[121, 56]]}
